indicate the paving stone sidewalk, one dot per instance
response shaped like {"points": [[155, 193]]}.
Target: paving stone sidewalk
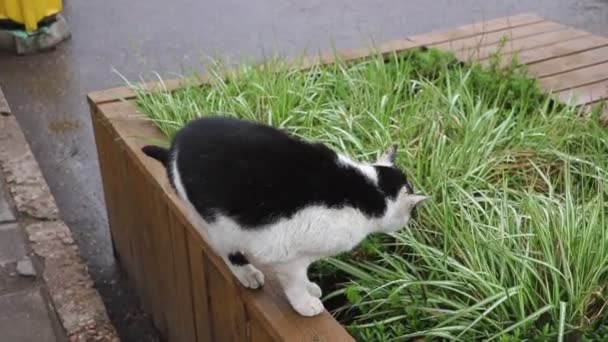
{"points": [[26, 314], [46, 294]]}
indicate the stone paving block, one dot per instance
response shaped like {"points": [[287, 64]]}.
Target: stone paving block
{"points": [[4, 109], [25, 268], [24, 180], [12, 244], [6, 214], [24, 318], [11, 281]]}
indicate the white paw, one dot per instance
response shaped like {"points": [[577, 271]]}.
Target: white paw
{"points": [[250, 276], [314, 289], [308, 305]]}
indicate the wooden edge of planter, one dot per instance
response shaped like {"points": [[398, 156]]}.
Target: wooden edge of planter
{"points": [[386, 48], [127, 93], [276, 316]]}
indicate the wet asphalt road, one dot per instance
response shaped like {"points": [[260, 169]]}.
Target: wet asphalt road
{"points": [[47, 92]]}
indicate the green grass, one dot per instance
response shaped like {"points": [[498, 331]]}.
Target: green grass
{"points": [[513, 245]]}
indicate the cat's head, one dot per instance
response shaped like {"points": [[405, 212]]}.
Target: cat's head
{"points": [[402, 201]]}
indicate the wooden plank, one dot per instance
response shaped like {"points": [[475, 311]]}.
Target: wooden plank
{"points": [[200, 292], [112, 166], [385, 49], [111, 163], [120, 209], [162, 240], [182, 281], [144, 235], [162, 256], [559, 49], [115, 175], [122, 215], [226, 307], [575, 78], [134, 225], [496, 37], [517, 45], [586, 94], [568, 63], [318, 328], [258, 333], [126, 93], [498, 24], [399, 45], [108, 172]]}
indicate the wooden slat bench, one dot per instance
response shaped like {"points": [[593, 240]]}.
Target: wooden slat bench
{"points": [[571, 63]]}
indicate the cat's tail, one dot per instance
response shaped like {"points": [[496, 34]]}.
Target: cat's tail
{"points": [[159, 153]]}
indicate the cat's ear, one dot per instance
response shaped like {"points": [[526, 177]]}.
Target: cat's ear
{"points": [[413, 201], [408, 202], [388, 158]]}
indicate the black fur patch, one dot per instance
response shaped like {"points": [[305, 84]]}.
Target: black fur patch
{"points": [[162, 155], [257, 174], [238, 259], [391, 180], [157, 152]]}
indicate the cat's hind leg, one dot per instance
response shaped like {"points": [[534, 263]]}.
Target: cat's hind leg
{"points": [[298, 289], [244, 271], [221, 238]]}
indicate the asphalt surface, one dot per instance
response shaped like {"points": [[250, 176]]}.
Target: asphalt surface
{"points": [[47, 92]]}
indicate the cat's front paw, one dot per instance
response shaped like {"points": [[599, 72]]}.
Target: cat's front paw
{"points": [[308, 305], [314, 289], [250, 277]]}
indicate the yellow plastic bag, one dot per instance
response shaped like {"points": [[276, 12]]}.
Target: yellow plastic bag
{"points": [[29, 12]]}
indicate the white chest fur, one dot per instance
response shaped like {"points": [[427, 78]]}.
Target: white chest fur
{"points": [[314, 232]]}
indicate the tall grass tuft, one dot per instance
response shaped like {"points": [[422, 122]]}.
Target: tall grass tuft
{"points": [[512, 246]]}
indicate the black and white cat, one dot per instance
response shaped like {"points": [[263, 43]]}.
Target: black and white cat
{"points": [[271, 199]]}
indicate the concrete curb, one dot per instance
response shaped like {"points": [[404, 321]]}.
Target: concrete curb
{"points": [[75, 300]]}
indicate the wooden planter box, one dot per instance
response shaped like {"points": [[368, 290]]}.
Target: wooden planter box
{"points": [[187, 289]]}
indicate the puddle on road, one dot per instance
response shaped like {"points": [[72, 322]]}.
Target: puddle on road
{"points": [[62, 126]]}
